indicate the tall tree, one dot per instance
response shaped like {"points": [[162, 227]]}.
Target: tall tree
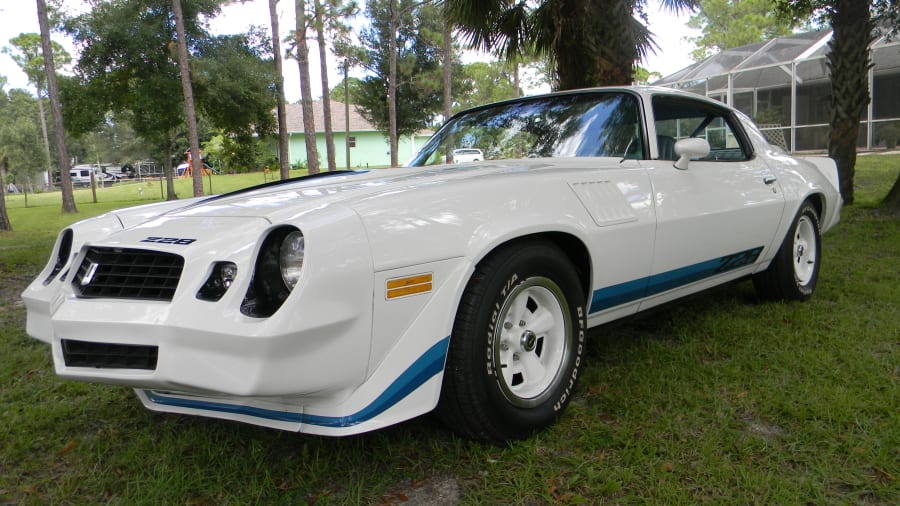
{"points": [[30, 59], [190, 113], [128, 62], [128, 66], [350, 56], [418, 78], [590, 43], [394, 21], [302, 54], [848, 60], [319, 11], [20, 138], [283, 155], [330, 26], [489, 82], [447, 63], [725, 24], [68, 197]]}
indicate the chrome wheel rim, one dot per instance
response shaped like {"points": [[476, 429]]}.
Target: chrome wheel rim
{"points": [[532, 342], [804, 250]]}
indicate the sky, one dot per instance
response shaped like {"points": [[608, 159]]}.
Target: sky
{"points": [[18, 16]]}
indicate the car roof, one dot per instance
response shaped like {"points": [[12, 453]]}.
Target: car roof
{"points": [[645, 91]]}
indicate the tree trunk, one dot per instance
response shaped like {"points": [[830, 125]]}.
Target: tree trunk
{"points": [[190, 114], [326, 93], [283, 155], [68, 197], [347, 111], [516, 80], [392, 82], [167, 169], [4, 218], [448, 78], [309, 122], [47, 158], [849, 63], [592, 45], [892, 201]]}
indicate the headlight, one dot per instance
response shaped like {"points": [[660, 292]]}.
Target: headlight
{"points": [[276, 273], [290, 258]]}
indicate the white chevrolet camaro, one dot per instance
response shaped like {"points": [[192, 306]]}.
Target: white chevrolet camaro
{"points": [[347, 301]]}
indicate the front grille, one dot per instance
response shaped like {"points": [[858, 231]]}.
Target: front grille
{"points": [[120, 273], [109, 356]]}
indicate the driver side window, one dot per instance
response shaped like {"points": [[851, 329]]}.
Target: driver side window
{"points": [[681, 118]]}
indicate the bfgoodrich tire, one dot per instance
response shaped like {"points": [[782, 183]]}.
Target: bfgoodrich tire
{"points": [[516, 346], [793, 273]]}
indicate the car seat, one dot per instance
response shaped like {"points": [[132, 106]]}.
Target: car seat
{"points": [[666, 147]]}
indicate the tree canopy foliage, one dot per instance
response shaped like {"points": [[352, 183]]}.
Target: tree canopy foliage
{"points": [[419, 76], [732, 23], [589, 43], [20, 136], [128, 64], [854, 24]]}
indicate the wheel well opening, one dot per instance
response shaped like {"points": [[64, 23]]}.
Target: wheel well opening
{"points": [[574, 249], [818, 203]]}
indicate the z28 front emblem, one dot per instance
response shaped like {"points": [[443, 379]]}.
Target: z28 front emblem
{"points": [[169, 240]]}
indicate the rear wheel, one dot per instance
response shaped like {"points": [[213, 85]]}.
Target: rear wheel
{"points": [[516, 347], [793, 273]]}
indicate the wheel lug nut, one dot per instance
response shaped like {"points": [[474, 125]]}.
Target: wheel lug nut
{"points": [[504, 346], [508, 325], [521, 323], [515, 356]]}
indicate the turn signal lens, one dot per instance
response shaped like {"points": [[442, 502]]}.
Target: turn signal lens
{"points": [[220, 279]]}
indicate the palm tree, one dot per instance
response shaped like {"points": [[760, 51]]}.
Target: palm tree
{"points": [[590, 42], [848, 62]]}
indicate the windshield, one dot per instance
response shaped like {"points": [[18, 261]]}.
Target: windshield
{"points": [[571, 125]]}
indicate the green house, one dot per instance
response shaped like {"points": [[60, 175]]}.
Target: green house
{"points": [[368, 146]]}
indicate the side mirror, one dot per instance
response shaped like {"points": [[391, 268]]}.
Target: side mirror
{"points": [[685, 149]]}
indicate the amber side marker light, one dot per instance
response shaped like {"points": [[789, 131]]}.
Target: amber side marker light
{"points": [[409, 285]]}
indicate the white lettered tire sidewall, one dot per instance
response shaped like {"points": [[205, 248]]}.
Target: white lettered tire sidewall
{"points": [[526, 284]]}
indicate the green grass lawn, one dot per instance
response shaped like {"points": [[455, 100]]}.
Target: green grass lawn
{"points": [[716, 399]]}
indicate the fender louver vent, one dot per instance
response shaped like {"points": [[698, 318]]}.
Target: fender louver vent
{"points": [[109, 356], [128, 274]]}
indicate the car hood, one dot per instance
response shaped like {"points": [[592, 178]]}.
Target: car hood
{"points": [[289, 200]]}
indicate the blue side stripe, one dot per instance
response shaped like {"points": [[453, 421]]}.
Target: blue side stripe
{"points": [[424, 368], [630, 291]]}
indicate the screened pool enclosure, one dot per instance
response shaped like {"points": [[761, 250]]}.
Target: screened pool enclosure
{"points": [[783, 84]]}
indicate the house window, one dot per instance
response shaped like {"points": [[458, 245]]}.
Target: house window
{"points": [[351, 141]]}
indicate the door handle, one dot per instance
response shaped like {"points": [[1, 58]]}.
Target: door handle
{"points": [[770, 179]]}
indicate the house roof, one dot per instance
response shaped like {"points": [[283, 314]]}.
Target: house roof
{"points": [[338, 115]]}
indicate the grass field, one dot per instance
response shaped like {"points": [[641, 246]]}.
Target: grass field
{"points": [[716, 399]]}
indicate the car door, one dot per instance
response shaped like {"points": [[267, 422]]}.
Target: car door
{"points": [[715, 218]]}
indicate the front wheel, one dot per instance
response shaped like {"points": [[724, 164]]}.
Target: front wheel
{"points": [[793, 273], [516, 347]]}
